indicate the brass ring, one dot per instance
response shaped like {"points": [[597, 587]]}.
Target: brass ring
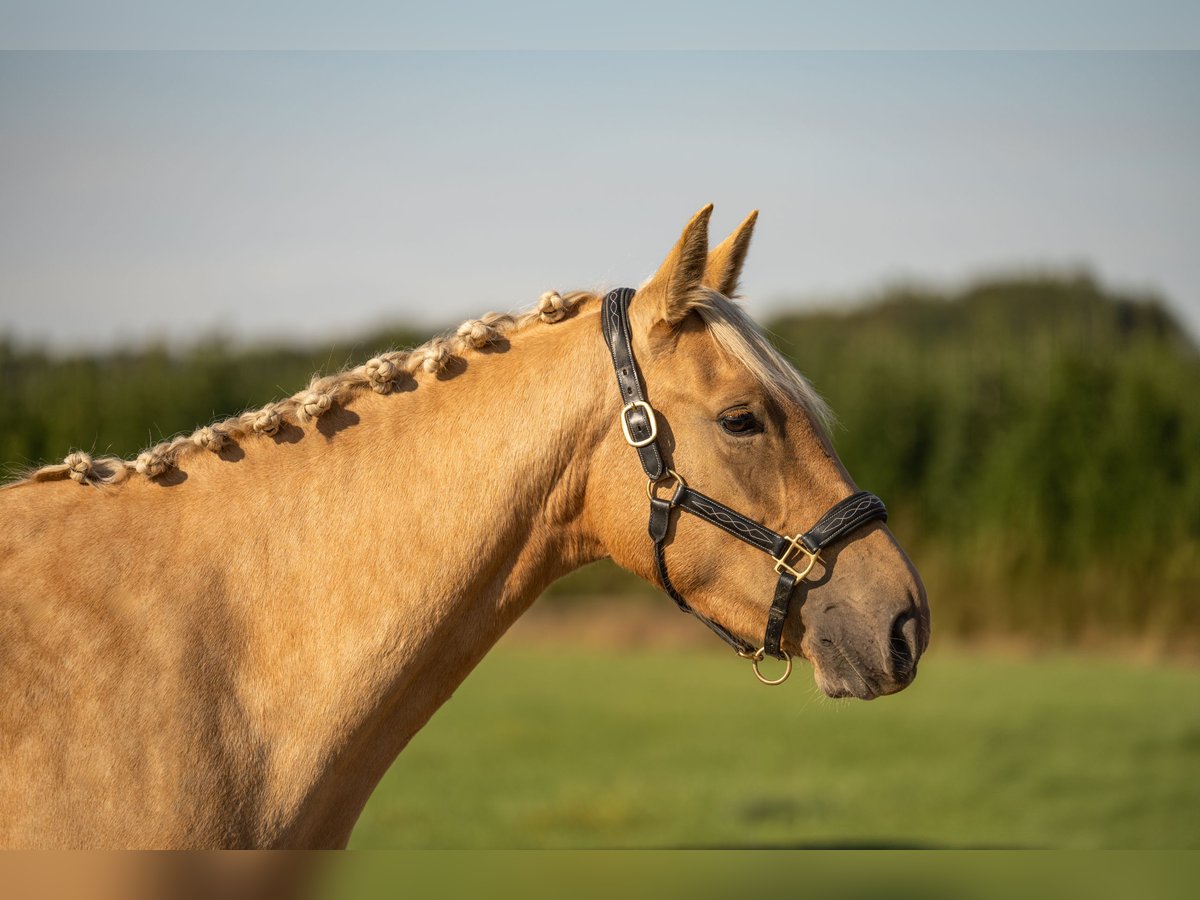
{"points": [[671, 473], [781, 679]]}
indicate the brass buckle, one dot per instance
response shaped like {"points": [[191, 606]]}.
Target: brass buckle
{"points": [[651, 484], [781, 561], [649, 415]]}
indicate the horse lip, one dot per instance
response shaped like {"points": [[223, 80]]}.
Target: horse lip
{"points": [[845, 690], [840, 685]]}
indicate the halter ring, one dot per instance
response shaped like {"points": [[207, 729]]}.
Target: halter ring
{"points": [[652, 483], [758, 656]]}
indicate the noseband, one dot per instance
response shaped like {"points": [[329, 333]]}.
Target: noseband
{"points": [[794, 556]]}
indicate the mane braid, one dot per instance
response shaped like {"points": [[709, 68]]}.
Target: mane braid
{"points": [[379, 374], [734, 331]]}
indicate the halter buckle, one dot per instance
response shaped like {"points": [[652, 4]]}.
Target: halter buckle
{"points": [[633, 404], [794, 546]]}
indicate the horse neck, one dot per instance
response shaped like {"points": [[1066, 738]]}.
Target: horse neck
{"points": [[415, 533]]}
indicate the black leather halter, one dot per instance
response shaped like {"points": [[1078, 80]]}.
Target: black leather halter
{"points": [[794, 556]]}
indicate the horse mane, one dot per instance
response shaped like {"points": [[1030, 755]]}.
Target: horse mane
{"points": [[380, 374], [734, 331]]}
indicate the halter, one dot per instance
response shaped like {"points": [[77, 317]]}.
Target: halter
{"points": [[794, 556]]}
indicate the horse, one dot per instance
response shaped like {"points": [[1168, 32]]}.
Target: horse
{"points": [[226, 641]]}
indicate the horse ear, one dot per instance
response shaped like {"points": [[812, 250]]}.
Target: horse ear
{"points": [[725, 261], [673, 287]]}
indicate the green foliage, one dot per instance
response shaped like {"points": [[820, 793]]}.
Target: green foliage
{"points": [[1035, 439]]}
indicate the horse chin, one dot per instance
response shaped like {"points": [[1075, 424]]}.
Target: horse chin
{"points": [[843, 689], [838, 679]]}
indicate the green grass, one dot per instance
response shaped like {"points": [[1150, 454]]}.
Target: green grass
{"points": [[591, 748]]}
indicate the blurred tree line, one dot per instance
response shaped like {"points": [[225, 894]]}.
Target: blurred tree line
{"points": [[1037, 440]]}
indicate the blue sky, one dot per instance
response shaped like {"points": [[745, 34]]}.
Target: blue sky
{"points": [[167, 194], [762, 25]]}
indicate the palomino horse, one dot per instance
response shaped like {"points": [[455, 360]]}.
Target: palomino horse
{"points": [[227, 641]]}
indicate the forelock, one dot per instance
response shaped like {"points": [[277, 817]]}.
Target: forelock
{"points": [[740, 337]]}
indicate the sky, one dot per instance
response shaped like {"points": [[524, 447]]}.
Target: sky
{"points": [[279, 194]]}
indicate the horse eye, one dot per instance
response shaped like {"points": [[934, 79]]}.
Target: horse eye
{"points": [[740, 421]]}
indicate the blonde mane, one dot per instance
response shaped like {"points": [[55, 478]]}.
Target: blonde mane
{"points": [[380, 374], [734, 331]]}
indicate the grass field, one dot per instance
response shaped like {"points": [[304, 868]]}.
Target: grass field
{"points": [[561, 747]]}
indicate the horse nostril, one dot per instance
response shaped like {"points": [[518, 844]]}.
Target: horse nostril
{"points": [[902, 645]]}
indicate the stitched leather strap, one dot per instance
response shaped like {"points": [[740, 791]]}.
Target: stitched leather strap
{"points": [[735, 523], [614, 319], [844, 517], [776, 618]]}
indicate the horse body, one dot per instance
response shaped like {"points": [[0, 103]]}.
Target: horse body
{"points": [[235, 658], [232, 651]]}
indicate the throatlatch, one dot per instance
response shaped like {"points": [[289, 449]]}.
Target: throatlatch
{"points": [[794, 556]]}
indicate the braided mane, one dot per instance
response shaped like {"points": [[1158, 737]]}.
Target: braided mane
{"points": [[380, 374], [735, 332]]}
